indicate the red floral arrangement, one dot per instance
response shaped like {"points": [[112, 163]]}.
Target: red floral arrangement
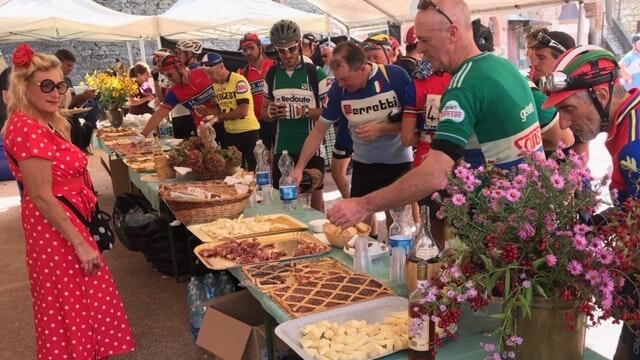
{"points": [[23, 55]]}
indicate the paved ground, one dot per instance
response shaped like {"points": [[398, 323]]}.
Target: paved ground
{"points": [[156, 305]]}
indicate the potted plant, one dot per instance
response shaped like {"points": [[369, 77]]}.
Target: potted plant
{"points": [[520, 238], [113, 90]]}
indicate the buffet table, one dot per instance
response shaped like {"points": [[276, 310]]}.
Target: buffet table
{"points": [[473, 329]]}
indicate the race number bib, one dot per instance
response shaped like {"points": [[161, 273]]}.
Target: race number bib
{"points": [[432, 110]]}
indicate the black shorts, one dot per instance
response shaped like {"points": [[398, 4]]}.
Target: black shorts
{"points": [[340, 152], [245, 142], [368, 178], [316, 162], [268, 133]]}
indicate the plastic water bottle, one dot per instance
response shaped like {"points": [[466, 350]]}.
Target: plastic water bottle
{"points": [[225, 285], [165, 130], [400, 235], [288, 186], [196, 296], [263, 171], [210, 285]]}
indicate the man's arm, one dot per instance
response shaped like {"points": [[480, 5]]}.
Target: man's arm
{"points": [[238, 113], [370, 131], [417, 184], [625, 73], [77, 100], [157, 116], [311, 145]]}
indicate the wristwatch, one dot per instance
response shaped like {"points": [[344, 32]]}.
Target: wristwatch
{"points": [[306, 112]]}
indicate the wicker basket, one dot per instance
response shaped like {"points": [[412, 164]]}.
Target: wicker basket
{"points": [[339, 241], [218, 174], [199, 211]]}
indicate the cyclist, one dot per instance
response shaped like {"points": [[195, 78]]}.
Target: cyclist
{"points": [[190, 88], [368, 98], [294, 92], [254, 72], [235, 108], [585, 88]]}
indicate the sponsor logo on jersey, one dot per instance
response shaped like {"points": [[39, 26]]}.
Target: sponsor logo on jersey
{"points": [[257, 87], [293, 99], [199, 99], [528, 110], [452, 111], [530, 141], [228, 95], [381, 104], [242, 87]]}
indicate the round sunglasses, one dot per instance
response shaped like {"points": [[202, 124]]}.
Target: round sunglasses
{"points": [[47, 86]]}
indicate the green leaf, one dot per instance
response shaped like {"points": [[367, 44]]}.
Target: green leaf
{"points": [[492, 280], [540, 291], [537, 263], [507, 283], [487, 262], [526, 305], [498, 316], [528, 295]]}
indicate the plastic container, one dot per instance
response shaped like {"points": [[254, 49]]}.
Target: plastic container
{"points": [[288, 186], [361, 257], [372, 311]]}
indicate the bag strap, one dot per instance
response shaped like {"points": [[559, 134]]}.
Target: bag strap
{"points": [[312, 75], [61, 198]]}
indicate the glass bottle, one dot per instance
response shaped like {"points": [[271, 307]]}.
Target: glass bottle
{"points": [[423, 248], [421, 331]]}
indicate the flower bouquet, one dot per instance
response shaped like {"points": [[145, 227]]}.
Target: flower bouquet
{"points": [[113, 90], [207, 162], [521, 237]]}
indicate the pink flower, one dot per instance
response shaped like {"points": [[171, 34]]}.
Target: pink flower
{"points": [[525, 168], [574, 267], [435, 196], [557, 181], [581, 229], [513, 195], [551, 260], [458, 199], [526, 231], [560, 154], [526, 284], [550, 221], [520, 181], [579, 242], [592, 276], [488, 347], [440, 213]]}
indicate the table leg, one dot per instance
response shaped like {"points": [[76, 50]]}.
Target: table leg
{"points": [[269, 326]]}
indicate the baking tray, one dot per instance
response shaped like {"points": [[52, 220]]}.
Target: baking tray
{"points": [[372, 311], [291, 223], [287, 242]]}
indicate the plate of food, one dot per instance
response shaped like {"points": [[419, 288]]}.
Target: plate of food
{"points": [[235, 253], [76, 111], [242, 227]]}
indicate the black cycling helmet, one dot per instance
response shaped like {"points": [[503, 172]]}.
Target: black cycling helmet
{"points": [[284, 31]]}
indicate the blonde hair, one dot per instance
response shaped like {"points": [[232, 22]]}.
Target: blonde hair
{"points": [[18, 100]]}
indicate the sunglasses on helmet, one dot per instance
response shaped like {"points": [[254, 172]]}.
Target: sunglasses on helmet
{"points": [[288, 50], [545, 40], [559, 81], [426, 4], [47, 86]]}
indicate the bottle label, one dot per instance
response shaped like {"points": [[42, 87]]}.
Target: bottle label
{"points": [[263, 178], [288, 193], [427, 253], [420, 340], [400, 241]]}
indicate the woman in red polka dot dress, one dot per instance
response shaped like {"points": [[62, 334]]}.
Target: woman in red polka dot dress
{"points": [[77, 309]]}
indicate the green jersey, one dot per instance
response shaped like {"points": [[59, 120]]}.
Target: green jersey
{"points": [[489, 111], [293, 87], [547, 117]]}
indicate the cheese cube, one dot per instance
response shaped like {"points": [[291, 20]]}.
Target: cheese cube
{"points": [[307, 343], [329, 334], [322, 350]]}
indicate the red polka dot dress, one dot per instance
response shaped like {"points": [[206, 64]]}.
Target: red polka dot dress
{"points": [[76, 316]]}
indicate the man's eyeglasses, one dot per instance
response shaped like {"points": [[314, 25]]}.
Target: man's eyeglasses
{"points": [[288, 50], [47, 86], [426, 4], [545, 40]]}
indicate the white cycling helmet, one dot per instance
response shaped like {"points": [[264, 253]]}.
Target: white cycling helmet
{"points": [[193, 46]]}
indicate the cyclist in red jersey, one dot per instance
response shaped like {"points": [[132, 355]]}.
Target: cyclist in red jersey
{"points": [[190, 88], [258, 65]]}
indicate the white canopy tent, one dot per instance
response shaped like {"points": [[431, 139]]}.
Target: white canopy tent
{"points": [[24, 20], [364, 13], [188, 19]]}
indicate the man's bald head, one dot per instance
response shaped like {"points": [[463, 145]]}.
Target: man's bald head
{"points": [[444, 32]]}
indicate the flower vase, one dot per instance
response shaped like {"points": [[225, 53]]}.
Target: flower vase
{"points": [[115, 117], [546, 335]]}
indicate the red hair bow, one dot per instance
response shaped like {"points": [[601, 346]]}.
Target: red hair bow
{"points": [[23, 55]]}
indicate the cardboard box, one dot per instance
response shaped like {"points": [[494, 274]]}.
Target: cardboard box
{"points": [[119, 174], [233, 328]]}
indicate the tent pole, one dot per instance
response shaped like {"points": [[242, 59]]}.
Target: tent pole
{"points": [[130, 52], [159, 41], [580, 15], [143, 56]]}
